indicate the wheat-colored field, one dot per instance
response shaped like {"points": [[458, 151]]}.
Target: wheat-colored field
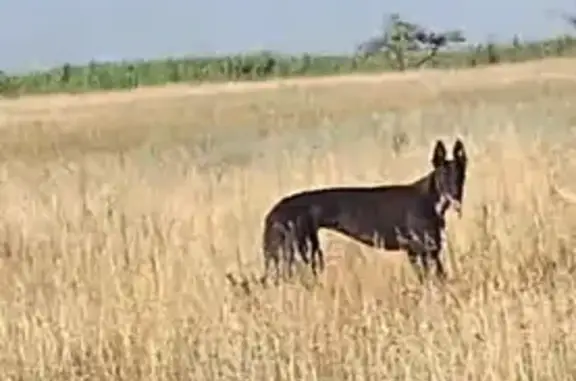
{"points": [[121, 214]]}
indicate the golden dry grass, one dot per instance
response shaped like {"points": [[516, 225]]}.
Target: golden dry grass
{"points": [[120, 219]]}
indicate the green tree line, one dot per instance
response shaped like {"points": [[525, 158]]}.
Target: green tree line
{"points": [[402, 46]]}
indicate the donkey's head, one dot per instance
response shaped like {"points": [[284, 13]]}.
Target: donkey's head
{"points": [[449, 176]]}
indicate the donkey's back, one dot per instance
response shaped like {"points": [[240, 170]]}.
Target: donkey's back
{"points": [[372, 215]]}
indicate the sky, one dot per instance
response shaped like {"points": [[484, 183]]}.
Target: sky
{"points": [[39, 34]]}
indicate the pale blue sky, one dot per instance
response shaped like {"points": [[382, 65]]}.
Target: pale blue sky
{"points": [[36, 34]]}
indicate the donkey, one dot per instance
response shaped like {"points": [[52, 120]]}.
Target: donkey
{"points": [[407, 217]]}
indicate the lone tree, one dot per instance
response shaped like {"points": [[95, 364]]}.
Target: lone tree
{"points": [[406, 44]]}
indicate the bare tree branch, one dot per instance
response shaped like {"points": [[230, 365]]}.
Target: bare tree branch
{"points": [[402, 40]]}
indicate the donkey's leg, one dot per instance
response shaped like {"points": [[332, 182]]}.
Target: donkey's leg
{"points": [[434, 251], [321, 262], [288, 257], [413, 256], [440, 272], [307, 255], [304, 249], [293, 242], [273, 258], [425, 261], [272, 247], [431, 251], [276, 260], [269, 260], [266, 272], [317, 253], [305, 246]]}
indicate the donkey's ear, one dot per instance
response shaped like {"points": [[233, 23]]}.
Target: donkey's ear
{"points": [[439, 154], [459, 153]]}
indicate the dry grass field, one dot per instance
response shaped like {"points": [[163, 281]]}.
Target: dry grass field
{"points": [[121, 214]]}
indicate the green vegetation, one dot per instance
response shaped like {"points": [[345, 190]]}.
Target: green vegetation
{"points": [[401, 46]]}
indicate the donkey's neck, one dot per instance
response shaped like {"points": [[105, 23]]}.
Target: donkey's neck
{"points": [[427, 189], [425, 186]]}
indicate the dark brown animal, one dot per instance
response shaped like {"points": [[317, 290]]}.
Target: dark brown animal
{"points": [[407, 217]]}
